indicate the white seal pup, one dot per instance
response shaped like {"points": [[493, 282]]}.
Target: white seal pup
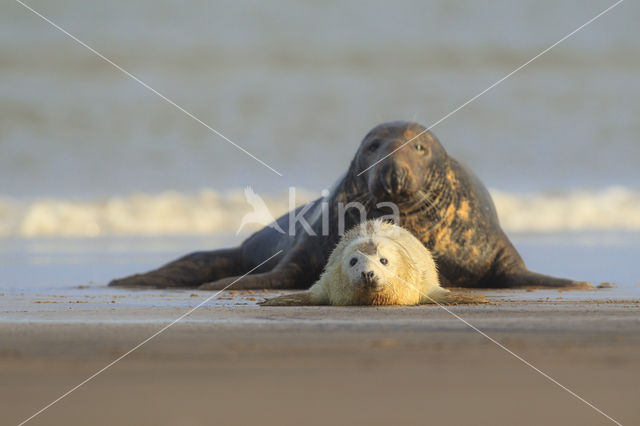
{"points": [[377, 263]]}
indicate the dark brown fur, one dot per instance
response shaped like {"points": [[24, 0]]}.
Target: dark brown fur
{"points": [[441, 202]]}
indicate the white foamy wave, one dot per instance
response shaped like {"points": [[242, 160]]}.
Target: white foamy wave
{"points": [[167, 213], [210, 212], [614, 208]]}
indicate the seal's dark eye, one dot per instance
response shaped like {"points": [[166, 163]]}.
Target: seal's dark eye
{"points": [[384, 260], [420, 148], [353, 261], [373, 146]]}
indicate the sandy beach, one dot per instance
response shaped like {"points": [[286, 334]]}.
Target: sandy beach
{"points": [[133, 133], [233, 362]]}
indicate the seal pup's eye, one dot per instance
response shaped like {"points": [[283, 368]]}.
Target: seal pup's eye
{"points": [[384, 260], [353, 261], [373, 146]]}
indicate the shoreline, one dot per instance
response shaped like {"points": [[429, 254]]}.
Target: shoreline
{"points": [[240, 364]]}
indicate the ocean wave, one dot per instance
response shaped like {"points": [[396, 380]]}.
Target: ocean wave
{"points": [[614, 208], [210, 212]]}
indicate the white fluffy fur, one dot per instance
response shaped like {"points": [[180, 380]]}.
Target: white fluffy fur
{"points": [[409, 276]]}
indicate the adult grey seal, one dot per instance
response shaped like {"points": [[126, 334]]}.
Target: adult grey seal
{"points": [[438, 200]]}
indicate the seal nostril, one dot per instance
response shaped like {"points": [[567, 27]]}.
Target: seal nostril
{"points": [[401, 177], [394, 178], [367, 276], [387, 179]]}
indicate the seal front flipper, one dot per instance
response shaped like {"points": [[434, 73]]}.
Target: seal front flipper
{"points": [[528, 279], [303, 298], [442, 296], [281, 278], [316, 295]]}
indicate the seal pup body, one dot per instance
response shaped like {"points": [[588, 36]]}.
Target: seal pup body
{"points": [[439, 201], [377, 263]]}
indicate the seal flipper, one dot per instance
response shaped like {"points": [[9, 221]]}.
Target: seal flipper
{"points": [[188, 271], [282, 278], [442, 296], [528, 279], [296, 299], [316, 295]]}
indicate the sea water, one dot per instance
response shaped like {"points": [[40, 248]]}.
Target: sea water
{"points": [[100, 178]]}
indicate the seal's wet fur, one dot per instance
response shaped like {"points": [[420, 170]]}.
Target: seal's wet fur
{"points": [[440, 201]]}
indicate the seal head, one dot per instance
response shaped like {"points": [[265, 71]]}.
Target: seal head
{"points": [[397, 160], [373, 268]]}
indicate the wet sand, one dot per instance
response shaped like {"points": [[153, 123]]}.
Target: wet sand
{"points": [[231, 362]]}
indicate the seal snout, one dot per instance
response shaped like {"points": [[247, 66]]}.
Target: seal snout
{"points": [[369, 280], [394, 178], [368, 276]]}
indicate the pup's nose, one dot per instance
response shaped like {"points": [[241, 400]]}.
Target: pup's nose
{"points": [[367, 276]]}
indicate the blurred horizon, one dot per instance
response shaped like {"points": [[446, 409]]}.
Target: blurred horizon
{"points": [[298, 84]]}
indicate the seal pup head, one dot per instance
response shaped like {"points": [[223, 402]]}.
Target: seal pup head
{"points": [[373, 267], [400, 159], [378, 263]]}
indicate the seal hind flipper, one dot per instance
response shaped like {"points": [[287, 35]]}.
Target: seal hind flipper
{"points": [[189, 271], [529, 279]]}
